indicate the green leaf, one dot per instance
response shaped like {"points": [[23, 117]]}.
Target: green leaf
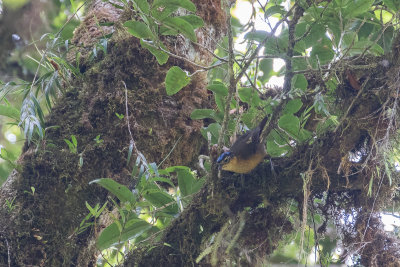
{"points": [[80, 161], [335, 29], [199, 114], [293, 106], [38, 109], [320, 106], [162, 179], [376, 50], [248, 117], [360, 47], [119, 190], [299, 81], [7, 155], [323, 53], [112, 234], [383, 15], [290, 124], [274, 10], [130, 150], [357, 7], [276, 144], [304, 135], [258, 35], [392, 4], [9, 111], [316, 33], [163, 12], [301, 29], [164, 30], [299, 63], [143, 6], [93, 211], [218, 88], [138, 29], [249, 95], [277, 45], [181, 26], [153, 168], [349, 38], [73, 5], [193, 20], [186, 4], [74, 141], [188, 184], [387, 39], [266, 66], [220, 101], [161, 200], [175, 80], [213, 129], [161, 56], [72, 145], [175, 168], [388, 170], [369, 193]]}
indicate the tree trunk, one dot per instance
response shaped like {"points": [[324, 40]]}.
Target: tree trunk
{"points": [[234, 218]]}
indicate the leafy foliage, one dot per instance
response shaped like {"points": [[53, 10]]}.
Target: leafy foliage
{"points": [[311, 43], [150, 207], [157, 18], [73, 144]]}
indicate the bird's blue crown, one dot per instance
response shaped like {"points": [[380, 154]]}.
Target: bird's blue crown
{"points": [[223, 155]]}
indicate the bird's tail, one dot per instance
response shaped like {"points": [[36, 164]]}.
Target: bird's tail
{"points": [[262, 124]]}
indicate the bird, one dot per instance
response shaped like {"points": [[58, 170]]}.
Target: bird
{"points": [[246, 153]]}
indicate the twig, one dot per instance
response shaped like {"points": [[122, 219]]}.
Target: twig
{"points": [[204, 68], [256, 72], [298, 13], [177, 141], [8, 252], [132, 141], [232, 81], [215, 41], [352, 104], [268, 56], [307, 176], [250, 81], [211, 52], [262, 7], [207, 69], [104, 258]]}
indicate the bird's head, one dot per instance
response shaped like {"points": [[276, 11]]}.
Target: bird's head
{"points": [[229, 162], [224, 158]]}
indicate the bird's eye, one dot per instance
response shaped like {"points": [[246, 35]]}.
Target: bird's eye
{"points": [[227, 159]]}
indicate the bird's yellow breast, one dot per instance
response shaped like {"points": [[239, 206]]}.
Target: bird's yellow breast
{"points": [[240, 165]]}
